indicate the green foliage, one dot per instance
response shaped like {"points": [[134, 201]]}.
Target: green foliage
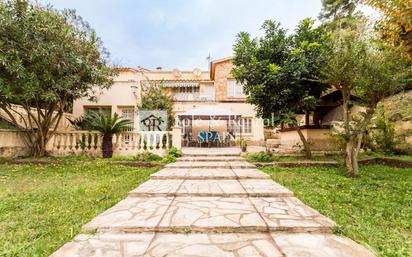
{"points": [[169, 159], [259, 157], [105, 123], [173, 151], [280, 73], [361, 65], [153, 98], [48, 58], [147, 156], [337, 9], [383, 133], [6, 125], [374, 209], [43, 207]]}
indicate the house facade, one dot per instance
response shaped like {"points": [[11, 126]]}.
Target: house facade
{"points": [[214, 90]]}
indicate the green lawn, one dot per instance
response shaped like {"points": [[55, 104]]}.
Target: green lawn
{"points": [[44, 206], [374, 209]]}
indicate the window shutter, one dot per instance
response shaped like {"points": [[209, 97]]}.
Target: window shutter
{"points": [[230, 88]]}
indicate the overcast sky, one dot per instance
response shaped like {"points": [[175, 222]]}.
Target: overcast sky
{"points": [[181, 33]]}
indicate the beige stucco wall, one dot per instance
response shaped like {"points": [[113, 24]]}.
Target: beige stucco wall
{"points": [[121, 94], [319, 139]]}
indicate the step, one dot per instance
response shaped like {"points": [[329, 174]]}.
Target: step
{"points": [[211, 187], [198, 173], [211, 165], [223, 151], [212, 244], [209, 158], [210, 214]]}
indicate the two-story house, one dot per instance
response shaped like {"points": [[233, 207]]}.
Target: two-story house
{"points": [[213, 92]]}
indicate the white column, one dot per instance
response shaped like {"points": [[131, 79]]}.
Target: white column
{"points": [[177, 137]]}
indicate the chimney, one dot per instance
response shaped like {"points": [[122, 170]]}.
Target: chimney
{"points": [[159, 68]]}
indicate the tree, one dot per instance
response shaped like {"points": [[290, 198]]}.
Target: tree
{"points": [[108, 125], [280, 73], [153, 98], [47, 58], [361, 65], [396, 24], [333, 9]]}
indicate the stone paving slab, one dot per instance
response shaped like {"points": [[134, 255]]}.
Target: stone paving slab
{"points": [[155, 187], [196, 173], [264, 188], [210, 165], [212, 187], [199, 173], [132, 214], [210, 158], [212, 214], [225, 151], [241, 164], [213, 245], [250, 174], [106, 245], [290, 214], [319, 245]]}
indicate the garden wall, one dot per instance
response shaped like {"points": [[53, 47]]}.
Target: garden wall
{"points": [[319, 139], [88, 143], [12, 144]]}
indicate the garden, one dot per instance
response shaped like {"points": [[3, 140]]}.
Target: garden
{"points": [[68, 192], [375, 209]]}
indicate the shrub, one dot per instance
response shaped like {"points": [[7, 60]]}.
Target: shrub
{"points": [[259, 157], [383, 138], [147, 156], [169, 159], [175, 152]]}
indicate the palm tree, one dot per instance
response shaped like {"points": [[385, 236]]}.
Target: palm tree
{"points": [[108, 125]]}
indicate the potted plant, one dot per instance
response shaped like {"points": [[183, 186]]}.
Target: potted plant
{"points": [[243, 144], [108, 125]]}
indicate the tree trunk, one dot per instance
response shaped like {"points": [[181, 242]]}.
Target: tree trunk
{"points": [[37, 141], [306, 146], [351, 160], [107, 146]]}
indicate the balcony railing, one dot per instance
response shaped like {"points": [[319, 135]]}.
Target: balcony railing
{"points": [[192, 97]]}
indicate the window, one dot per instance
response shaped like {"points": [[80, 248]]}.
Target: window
{"points": [[107, 110], [128, 114], [234, 89], [244, 125], [247, 126], [186, 93], [209, 93]]}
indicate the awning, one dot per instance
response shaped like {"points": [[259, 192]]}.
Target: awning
{"points": [[209, 113], [179, 84], [173, 84]]}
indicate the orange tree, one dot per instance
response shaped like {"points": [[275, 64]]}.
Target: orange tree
{"points": [[47, 59]]}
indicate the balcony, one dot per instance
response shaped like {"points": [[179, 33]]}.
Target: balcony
{"points": [[192, 97]]}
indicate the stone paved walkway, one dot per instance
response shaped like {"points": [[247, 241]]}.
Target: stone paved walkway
{"points": [[211, 205]]}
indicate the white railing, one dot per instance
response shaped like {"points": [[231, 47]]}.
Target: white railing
{"points": [[125, 143]]}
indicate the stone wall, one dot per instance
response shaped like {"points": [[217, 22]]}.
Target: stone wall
{"points": [[12, 144], [319, 139]]}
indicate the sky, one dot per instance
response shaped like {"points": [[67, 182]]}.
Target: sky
{"points": [[181, 33]]}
